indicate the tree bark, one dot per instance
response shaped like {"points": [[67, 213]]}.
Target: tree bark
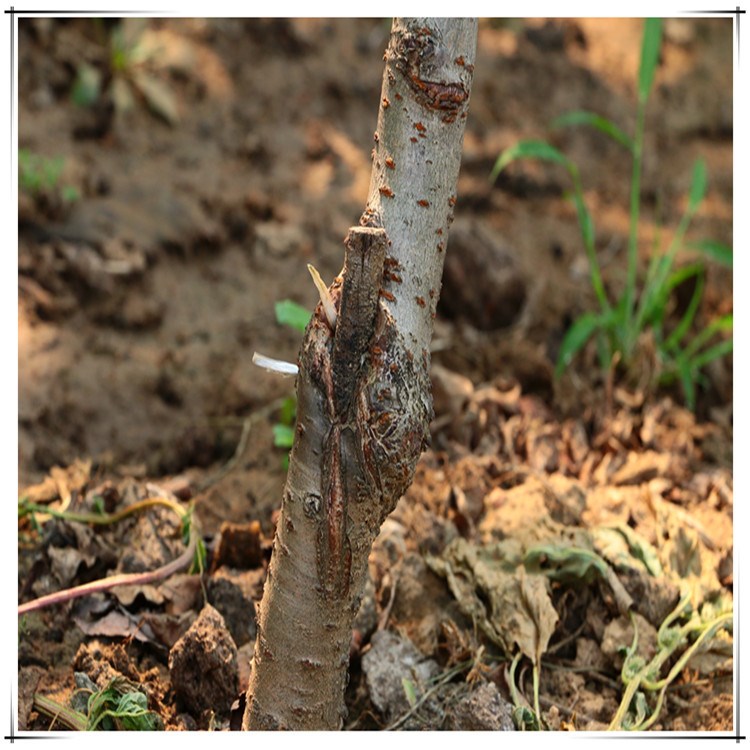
{"points": [[363, 390]]}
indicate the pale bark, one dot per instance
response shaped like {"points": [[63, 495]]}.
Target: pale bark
{"points": [[363, 396]]}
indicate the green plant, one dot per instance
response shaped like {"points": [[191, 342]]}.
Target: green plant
{"points": [[128, 73], [641, 678], [695, 625], [619, 327], [39, 175], [288, 313], [120, 706]]}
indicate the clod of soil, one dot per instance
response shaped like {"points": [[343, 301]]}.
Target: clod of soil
{"points": [[484, 709], [203, 665], [232, 593]]}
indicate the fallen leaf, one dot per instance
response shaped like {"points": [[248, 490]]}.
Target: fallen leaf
{"points": [[65, 562], [126, 595], [117, 624], [536, 599], [512, 607], [158, 96], [168, 629], [60, 483], [640, 467]]}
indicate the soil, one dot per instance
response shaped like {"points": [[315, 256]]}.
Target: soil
{"points": [[148, 274]]}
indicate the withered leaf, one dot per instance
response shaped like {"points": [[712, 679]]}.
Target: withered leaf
{"points": [[536, 599], [117, 624], [511, 606]]}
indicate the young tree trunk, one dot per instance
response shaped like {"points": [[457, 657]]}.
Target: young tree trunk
{"points": [[363, 390]]}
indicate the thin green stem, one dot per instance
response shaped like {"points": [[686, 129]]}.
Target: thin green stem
{"points": [[512, 679], [640, 679], [103, 519], [586, 225], [681, 606], [707, 631], [630, 691], [635, 205], [535, 678], [654, 286]]}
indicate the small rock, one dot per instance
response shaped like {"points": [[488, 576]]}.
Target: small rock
{"points": [[589, 655], [388, 665], [28, 681], [484, 709], [203, 665]]}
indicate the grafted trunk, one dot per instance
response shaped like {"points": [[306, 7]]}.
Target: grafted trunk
{"points": [[363, 393]]}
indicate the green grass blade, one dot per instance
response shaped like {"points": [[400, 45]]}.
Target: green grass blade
{"points": [[586, 224], [714, 352], [717, 251], [697, 185], [87, 87], [681, 275], [409, 691], [575, 338], [580, 117], [654, 296], [649, 56], [686, 321], [288, 410], [723, 324], [291, 314], [283, 435], [528, 150]]}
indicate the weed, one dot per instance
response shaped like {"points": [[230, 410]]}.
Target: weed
{"points": [[40, 176], [288, 313], [641, 678], [691, 627], [127, 75], [620, 328], [121, 706]]}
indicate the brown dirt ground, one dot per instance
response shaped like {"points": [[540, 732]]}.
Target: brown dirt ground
{"points": [[142, 302]]}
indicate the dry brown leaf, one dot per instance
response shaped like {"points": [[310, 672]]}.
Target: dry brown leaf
{"points": [[512, 607], [65, 562], [640, 467], [61, 483], [117, 624], [126, 595], [158, 96], [536, 599]]}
